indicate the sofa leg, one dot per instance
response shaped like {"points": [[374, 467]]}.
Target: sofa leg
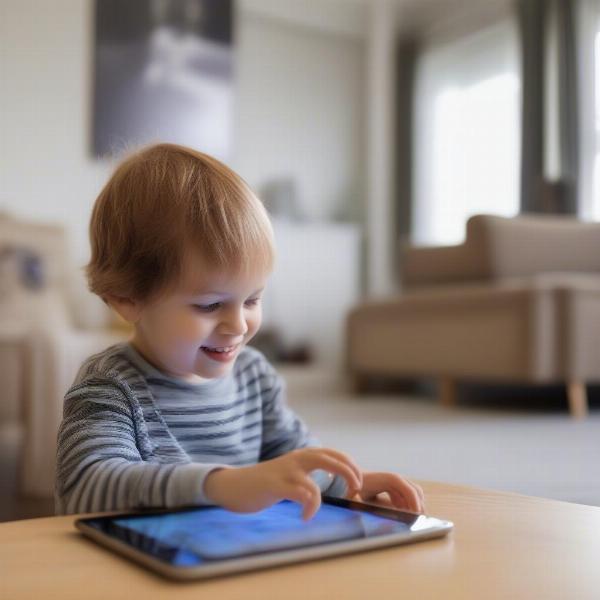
{"points": [[578, 403], [447, 392]]}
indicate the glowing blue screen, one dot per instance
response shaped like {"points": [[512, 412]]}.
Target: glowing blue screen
{"points": [[201, 535]]}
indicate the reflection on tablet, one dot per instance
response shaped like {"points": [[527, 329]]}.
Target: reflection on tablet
{"points": [[213, 533]]}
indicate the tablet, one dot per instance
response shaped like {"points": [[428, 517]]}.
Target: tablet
{"points": [[203, 542]]}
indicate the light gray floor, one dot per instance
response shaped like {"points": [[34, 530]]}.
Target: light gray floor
{"points": [[527, 448]]}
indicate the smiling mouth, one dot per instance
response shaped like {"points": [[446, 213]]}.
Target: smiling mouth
{"points": [[220, 353], [224, 349]]}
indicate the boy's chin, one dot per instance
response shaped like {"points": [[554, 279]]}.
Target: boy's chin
{"points": [[209, 369], [203, 375]]}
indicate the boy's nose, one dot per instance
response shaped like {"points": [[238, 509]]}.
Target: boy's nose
{"points": [[234, 323]]}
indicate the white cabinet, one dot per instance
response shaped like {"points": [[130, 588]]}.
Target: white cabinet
{"points": [[315, 282]]}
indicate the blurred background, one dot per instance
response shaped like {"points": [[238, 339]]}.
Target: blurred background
{"points": [[373, 130]]}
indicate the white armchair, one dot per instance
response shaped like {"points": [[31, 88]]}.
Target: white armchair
{"points": [[49, 324]]}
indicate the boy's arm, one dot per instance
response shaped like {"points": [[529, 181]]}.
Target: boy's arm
{"points": [[284, 431], [99, 466]]}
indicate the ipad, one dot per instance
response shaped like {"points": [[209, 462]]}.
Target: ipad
{"points": [[203, 542]]}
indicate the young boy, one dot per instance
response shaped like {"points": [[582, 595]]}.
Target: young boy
{"points": [[186, 413]]}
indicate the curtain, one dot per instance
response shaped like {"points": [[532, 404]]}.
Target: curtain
{"points": [[532, 32], [403, 181], [558, 139], [588, 59], [568, 104]]}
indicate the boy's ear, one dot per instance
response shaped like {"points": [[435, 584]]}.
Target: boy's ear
{"points": [[129, 310]]}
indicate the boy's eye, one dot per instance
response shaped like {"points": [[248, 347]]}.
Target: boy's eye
{"points": [[207, 307]]}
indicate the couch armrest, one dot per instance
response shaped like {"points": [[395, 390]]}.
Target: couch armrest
{"points": [[433, 265], [530, 244]]}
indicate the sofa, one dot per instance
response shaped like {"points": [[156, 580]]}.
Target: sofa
{"points": [[49, 323], [517, 302]]}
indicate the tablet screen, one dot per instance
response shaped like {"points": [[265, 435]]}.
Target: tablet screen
{"points": [[200, 535]]}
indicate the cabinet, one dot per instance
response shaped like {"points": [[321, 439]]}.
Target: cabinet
{"points": [[315, 282]]}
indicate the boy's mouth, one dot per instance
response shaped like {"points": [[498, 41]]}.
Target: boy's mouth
{"points": [[220, 353]]}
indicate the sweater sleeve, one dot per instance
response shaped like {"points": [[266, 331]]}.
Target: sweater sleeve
{"points": [[99, 465], [284, 431]]}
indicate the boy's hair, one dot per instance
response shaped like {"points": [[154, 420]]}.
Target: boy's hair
{"points": [[163, 202]]}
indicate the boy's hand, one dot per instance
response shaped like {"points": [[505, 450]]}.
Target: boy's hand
{"points": [[401, 493], [287, 477]]}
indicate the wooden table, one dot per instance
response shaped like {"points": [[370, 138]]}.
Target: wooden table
{"points": [[503, 546]]}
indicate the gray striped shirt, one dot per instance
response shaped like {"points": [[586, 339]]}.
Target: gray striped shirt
{"points": [[133, 437]]}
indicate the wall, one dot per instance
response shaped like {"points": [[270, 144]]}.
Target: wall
{"points": [[45, 171], [299, 111]]}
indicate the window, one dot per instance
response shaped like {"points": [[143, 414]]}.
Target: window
{"points": [[467, 134]]}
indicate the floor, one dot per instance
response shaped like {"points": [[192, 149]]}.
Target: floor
{"points": [[515, 439], [521, 440]]}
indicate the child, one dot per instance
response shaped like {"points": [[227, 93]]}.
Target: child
{"points": [[186, 413]]}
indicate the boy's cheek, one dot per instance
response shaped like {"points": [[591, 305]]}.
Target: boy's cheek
{"points": [[254, 325], [251, 333], [189, 332]]}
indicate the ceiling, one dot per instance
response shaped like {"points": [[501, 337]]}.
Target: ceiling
{"points": [[429, 17], [416, 18]]}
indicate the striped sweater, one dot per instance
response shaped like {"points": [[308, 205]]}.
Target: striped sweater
{"points": [[133, 437]]}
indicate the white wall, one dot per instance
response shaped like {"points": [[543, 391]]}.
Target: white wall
{"points": [[299, 111], [45, 171]]}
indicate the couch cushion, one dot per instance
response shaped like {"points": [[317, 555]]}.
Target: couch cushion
{"points": [[538, 328], [532, 244]]}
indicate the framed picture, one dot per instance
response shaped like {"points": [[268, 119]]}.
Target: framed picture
{"points": [[163, 72]]}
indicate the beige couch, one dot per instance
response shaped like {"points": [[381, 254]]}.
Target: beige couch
{"points": [[518, 302]]}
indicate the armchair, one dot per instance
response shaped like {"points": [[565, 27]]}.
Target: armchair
{"points": [[49, 324]]}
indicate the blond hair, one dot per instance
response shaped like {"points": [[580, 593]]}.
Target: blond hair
{"points": [[160, 203]]}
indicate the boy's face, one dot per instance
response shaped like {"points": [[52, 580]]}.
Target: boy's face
{"points": [[197, 330]]}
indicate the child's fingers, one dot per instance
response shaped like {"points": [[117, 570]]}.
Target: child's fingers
{"points": [[314, 459], [316, 501], [345, 458], [305, 492], [419, 507], [305, 496], [311, 502], [297, 493], [419, 490], [400, 501], [397, 486]]}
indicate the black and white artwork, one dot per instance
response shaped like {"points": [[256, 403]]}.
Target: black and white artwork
{"points": [[163, 72]]}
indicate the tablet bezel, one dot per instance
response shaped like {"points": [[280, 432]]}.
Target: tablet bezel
{"points": [[438, 528]]}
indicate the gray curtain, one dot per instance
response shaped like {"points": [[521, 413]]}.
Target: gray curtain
{"points": [[406, 55], [531, 14], [539, 193], [568, 103]]}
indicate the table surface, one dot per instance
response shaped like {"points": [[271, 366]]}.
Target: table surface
{"points": [[504, 546]]}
